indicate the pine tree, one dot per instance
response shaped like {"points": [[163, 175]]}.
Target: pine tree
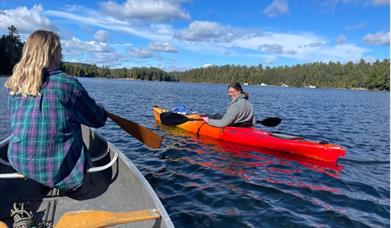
{"points": [[10, 50]]}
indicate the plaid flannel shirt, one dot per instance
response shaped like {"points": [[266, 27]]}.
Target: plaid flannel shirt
{"points": [[46, 143]]}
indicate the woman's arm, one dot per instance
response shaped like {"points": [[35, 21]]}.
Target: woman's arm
{"points": [[87, 111], [228, 118]]}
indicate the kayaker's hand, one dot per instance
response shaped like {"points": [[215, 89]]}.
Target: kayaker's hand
{"points": [[205, 118]]}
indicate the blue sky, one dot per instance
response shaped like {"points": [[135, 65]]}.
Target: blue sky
{"points": [[185, 34]]}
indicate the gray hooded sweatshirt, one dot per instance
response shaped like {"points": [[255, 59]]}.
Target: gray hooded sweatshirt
{"points": [[238, 111]]}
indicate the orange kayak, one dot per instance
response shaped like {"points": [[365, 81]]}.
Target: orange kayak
{"points": [[251, 136]]}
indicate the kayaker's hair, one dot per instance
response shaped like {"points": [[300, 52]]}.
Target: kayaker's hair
{"points": [[41, 51], [238, 87]]}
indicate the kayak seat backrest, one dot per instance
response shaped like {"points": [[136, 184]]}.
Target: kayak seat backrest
{"points": [[181, 109]]}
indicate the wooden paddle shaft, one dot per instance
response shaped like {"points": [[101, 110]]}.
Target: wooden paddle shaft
{"points": [[143, 134], [95, 219]]}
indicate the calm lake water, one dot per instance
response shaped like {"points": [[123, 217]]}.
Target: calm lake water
{"points": [[209, 184]]}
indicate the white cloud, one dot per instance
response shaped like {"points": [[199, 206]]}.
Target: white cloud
{"points": [[301, 47], [268, 61], [380, 2], [91, 52], [370, 59], [277, 7], [341, 52], [96, 19], [101, 35], [201, 30], [272, 42], [150, 10], [215, 39], [379, 38], [76, 46], [331, 4], [207, 65], [162, 47], [212, 48], [140, 53], [200, 36], [144, 53], [355, 27], [207, 31], [107, 59], [25, 20], [275, 49], [341, 39], [163, 29]]}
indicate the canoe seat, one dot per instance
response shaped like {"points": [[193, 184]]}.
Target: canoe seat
{"points": [[90, 170], [103, 167]]}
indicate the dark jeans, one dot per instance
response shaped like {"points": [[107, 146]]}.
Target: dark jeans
{"points": [[216, 116]]}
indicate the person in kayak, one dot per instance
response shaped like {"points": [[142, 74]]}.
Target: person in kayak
{"points": [[47, 108], [240, 112]]}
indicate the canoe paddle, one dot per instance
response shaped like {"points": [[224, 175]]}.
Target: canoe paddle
{"points": [[95, 219], [3, 225], [141, 133], [173, 119]]}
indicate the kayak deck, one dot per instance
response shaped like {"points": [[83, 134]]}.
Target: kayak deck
{"points": [[322, 151]]}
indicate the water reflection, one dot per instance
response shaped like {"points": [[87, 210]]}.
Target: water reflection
{"points": [[271, 161]]}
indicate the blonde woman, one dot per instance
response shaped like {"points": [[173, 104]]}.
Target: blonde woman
{"points": [[47, 107]]}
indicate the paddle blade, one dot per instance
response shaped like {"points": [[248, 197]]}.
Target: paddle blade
{"points": [[141, 133], [3, 225], [172, 118], [95, 219], [270, 122]]}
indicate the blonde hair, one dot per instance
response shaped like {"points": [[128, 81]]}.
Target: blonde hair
{"points": [[41, 51]]}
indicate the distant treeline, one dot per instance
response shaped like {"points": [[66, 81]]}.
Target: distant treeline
{"points": [[142, 73], [333, 74]]}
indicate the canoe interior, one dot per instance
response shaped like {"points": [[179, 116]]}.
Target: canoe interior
{"points": [[119, 188]]}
